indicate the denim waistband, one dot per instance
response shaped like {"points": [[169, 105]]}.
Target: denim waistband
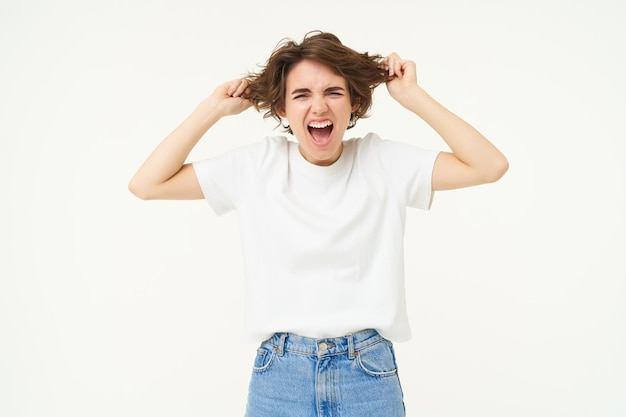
{"points": [[349, 344]]}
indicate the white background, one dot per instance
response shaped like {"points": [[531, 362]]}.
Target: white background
{"points": [[113, 306]]}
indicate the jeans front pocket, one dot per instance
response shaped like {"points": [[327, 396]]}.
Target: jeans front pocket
{"points": [[377, 360], [264, 358]]}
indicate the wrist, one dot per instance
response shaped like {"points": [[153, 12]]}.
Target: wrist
{"points": [[208, 110], [415, 99]]}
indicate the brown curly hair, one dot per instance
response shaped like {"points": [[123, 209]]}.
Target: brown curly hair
{"points": [[362, 72]]}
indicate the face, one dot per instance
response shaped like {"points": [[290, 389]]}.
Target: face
{"points": [[318, 108]]}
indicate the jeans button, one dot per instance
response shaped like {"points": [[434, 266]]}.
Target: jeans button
{"points": [[323, 346]]}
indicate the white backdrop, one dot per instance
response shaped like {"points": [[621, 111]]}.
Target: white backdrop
{"points": [[112, 306]]}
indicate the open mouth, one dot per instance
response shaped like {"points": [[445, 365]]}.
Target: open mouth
{"points": [[320, 132]]}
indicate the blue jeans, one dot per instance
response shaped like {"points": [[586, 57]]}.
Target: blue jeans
{"points": [[350, 376]]}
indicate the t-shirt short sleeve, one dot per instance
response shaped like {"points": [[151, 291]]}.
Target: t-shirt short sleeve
{"points": [[224, 179], [409, 170]]}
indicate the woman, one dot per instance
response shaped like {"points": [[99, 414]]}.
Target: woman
{"points": [[322, 219]]}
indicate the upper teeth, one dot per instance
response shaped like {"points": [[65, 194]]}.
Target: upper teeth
{"points": [[320, 125]]}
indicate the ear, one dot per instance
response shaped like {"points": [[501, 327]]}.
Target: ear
{"points": [[281, 112], [355, 106]]}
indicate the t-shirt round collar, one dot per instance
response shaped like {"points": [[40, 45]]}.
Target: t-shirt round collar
{"points": [[300, 164]]}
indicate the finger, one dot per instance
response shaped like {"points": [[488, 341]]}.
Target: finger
{"points": [[232, 87], [394, 65], [241, 88], [390, 65], [399, 68]]}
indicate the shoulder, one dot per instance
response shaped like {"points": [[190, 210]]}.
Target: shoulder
{"points": [[373, 141], [363, 146], [275, 145], [373, 144], [246, 157], [276, 141], [393, 155], [368, 140]]}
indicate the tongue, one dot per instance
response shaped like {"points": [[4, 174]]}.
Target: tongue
{"points": [[321, 136]]}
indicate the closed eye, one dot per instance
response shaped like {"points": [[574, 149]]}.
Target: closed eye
{"points": [[303, 93]]}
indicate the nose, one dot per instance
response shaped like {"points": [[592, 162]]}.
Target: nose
{"points": [[318, 104]]}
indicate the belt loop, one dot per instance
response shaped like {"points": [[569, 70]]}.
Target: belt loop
{"points": [[281, 344], [350, 346]]}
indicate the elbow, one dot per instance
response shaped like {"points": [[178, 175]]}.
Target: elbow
{"points": [[498, 168], [138, 190]]}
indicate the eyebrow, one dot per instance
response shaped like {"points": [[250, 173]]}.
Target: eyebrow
{"points": [[327, 90]]}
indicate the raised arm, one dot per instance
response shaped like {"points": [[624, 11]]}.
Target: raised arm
{"points": [[165, 175], [473, 160]]}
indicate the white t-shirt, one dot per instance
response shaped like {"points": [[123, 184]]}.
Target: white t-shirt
{"points": [[322, 245]]}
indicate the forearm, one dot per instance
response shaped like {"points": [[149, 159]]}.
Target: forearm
{"points": [[465, 142], [170, 155]]}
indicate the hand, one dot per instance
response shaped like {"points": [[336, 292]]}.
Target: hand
{"points": [[402, 81], [230, 97]]}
